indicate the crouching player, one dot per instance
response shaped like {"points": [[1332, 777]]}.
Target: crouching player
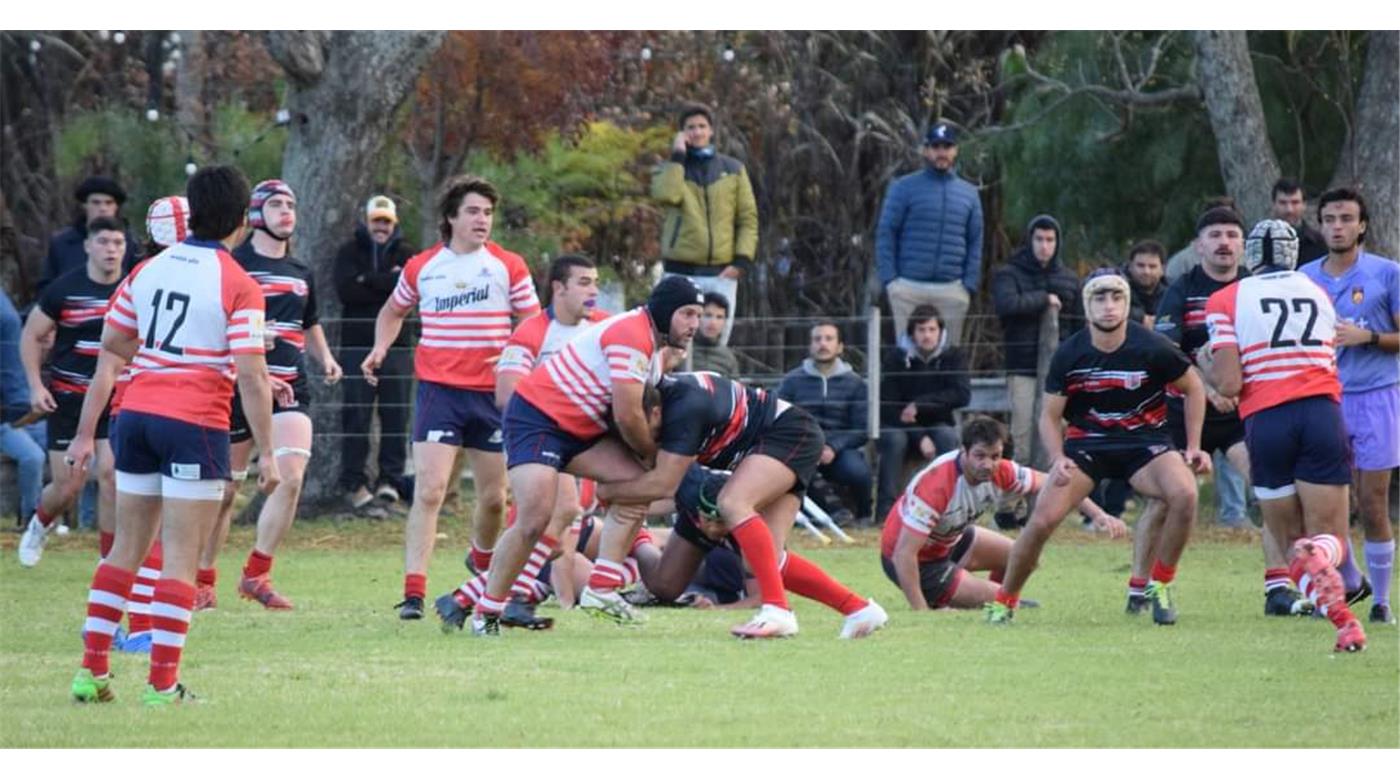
{"points": [[191, 318], [930, 541], [1271, 342], [1109, 382]]}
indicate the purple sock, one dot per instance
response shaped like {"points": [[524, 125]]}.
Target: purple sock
{"points": [[1380, 557], [1351, 575]]}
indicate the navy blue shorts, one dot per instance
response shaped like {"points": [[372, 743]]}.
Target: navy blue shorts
{"points": [[149, 444], [1116, 457], [460, 418], [1300, 440], [238, 428], [533, 437]]}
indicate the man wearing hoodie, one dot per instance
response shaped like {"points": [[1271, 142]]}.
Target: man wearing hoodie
{"points": [[831, 391], [928, 245], [97, 197], [923, 384], [710, 229], [366, 269], [1032, 280]]}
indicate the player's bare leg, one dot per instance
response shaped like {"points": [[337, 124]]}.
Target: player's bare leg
{"points": [[1373, 488], [291, 440], [432, 468], [611, 461], [758, 481], [1317, 555], [57, 497], [240, 455], [1167, 478], [105, 465], [489, 486], [184, 525], [1145, 534], [1275, 538], [1056, 500]]}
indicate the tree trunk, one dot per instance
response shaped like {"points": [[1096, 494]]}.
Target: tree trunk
{"points": [[344, 90], [1371, 155], [190, 76], [1225, 74]]}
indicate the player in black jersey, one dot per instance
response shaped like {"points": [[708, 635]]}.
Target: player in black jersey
{"points": [[293, 328], [70, 311], [1108, 382], [1181, 317], [772, 447]]}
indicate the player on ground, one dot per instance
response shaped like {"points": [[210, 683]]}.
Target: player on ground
{"points": [[558, 420], [573, 282], [467, 291], [70, 311], [1365, 291], [931, 540], [1271, 341], [293, 328], [193, 320], [772, 447], [1181, 317], [1108, 381]]}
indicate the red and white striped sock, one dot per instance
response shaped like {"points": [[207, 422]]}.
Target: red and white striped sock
{"points": [[643, 537], [491, 605], [1275, 579], [539, 591], [170, 622], [106, 602], [471, 591], [633, 573], [139, 607], [607, 576], [807, 579], [524, 585], [1318, 579]]}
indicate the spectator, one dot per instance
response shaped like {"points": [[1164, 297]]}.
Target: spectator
{"points": [[828, 388], [708, 354], [921, 386], [366, 269], [97, 196], [1032, 280], [710, 230], [928, 246], [17, 443], [1187, 258], [1289, 206], [1146, 261]]}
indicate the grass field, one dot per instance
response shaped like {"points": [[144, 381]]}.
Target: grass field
{"points": [[343, 671]]}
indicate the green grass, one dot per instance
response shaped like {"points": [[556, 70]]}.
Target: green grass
{"points": [[342, 671]]}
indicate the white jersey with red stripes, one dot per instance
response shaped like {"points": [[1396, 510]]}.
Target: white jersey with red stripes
{"points": [[574, 387], [1284, 327], [940, 504], [540, 337], [194, 308], [466, 303]]}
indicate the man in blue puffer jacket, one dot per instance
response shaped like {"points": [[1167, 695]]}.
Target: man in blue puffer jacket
{"points": [[928, 246]]}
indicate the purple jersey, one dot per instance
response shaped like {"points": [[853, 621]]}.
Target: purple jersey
{"points": [[1368, 296]]}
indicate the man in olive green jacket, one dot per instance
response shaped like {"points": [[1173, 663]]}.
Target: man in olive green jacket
{"points": [[710, 230]]}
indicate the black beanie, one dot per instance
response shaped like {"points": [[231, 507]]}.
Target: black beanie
{"points": [[102, 184], [670, 295]]}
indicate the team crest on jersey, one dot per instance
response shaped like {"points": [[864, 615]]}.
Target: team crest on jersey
{"points": [[1132, 381], [641, 366], [461, 284], [917, 508], [1357, 295]]}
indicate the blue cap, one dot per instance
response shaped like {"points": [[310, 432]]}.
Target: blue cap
{"points": [[941, 133]]}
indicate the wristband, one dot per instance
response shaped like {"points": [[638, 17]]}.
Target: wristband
{"points": [[1375, 338]]}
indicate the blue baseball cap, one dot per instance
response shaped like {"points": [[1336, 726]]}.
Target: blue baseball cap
{"points": [[941, 133]]}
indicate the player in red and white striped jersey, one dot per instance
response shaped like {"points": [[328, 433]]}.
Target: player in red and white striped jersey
{"points": [[557, 421], [931, 540], [1272, 339], [191, 321], [467, 291], [69, 315], [573, 282]]}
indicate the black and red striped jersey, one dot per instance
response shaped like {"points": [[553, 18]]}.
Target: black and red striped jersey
{"points": [[1181, 317], [1116, 393], [289, 289], [715, 419], [77, 305]]}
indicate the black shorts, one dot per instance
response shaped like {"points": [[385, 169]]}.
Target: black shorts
{"points": [[794, 438], [939, 579], [1117, 457], [1217, 434], [63, 422], [238, 430]]}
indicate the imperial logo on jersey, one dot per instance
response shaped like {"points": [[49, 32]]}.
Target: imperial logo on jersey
{"points": [[1284, 327], [940, 504], [194, 308], [466, 303], [574, 386]]}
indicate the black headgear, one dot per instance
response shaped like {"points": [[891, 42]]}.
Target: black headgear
{"points": [[669, 296]]}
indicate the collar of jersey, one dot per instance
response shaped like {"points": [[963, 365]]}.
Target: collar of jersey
{"points": [[207, 243]]}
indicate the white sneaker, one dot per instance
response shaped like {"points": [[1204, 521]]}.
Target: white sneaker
{"points": [[31, 545], [770, 623], [62, 529], [864, 621], [609, 605]]}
